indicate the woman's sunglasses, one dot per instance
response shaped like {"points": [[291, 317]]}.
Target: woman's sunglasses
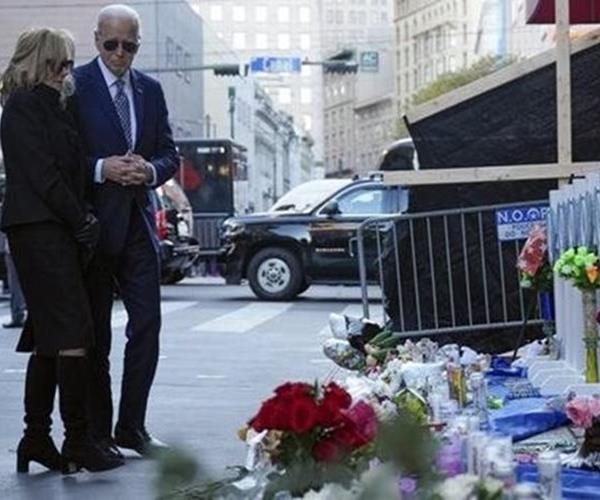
{"points": [[66, 64], [112, 45]]}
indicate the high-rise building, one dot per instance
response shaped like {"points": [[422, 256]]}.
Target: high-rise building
{"points": [[176, 41], [358, 108], [433, 37], [276, 28]]}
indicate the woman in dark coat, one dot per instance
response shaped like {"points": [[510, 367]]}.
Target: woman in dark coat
{"points": [[51, 234]]}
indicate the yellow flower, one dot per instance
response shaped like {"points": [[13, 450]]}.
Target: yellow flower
{"points": [[592, 273]]}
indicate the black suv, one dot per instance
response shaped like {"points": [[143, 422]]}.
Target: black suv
{"points": [[308, 236]]}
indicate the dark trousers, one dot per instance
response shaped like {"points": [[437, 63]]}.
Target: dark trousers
{"points": [[136, 273]]}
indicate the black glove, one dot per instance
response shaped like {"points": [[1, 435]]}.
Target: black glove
{"points": [[88, 232]]}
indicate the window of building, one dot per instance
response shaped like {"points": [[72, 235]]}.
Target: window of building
{"points": [[239, 13], [170, 52], [261, 41], [330, 16], [307, 121], [304, 14], [283, 14], [352, 17], [283, 41], [304, 41], [362, 17], [187, 63], [179, 60], [452, 63], [216, 12], [239, 41], [260, 14], [285, 95], [339, 16], [305, 95]]}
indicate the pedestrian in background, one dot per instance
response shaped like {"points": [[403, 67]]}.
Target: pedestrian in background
{"points": [[18, 308], [124, 120], [50, 232]]}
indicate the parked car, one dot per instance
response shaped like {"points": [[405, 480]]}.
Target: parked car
{"points": [[307, 237], [174, 221]]}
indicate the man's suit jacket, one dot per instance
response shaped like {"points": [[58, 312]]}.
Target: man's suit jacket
{"points": [[103, 135]]}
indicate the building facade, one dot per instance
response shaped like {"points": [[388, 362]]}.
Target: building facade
{"points": [[350, 100], [174, 42], [433, 37], [275, 28]]}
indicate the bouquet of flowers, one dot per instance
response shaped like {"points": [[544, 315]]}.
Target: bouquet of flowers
{"points": [[315, 422], [532, 263], [584, 412], [581, 266], [315, 431]]}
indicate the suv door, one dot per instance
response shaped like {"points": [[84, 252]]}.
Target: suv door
{"points": [[333, 236]]}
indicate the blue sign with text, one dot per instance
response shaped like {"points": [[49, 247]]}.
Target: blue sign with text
{"points": [[276, 65], [514, 223]]}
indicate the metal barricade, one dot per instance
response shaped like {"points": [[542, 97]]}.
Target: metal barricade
{"points": [[444, 272], [207, 227]]}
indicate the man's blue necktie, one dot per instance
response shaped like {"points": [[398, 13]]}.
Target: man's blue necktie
{"points": [[122, 106]]}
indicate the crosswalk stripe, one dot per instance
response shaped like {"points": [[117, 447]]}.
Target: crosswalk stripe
{"points": [[245, 318], [119, 318]]}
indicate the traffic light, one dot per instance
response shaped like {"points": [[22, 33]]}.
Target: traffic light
{"points": [[343, 61], [226, 70], [340, 66]]}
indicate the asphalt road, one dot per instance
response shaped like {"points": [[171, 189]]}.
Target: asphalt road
{"points": [[222, 353]]}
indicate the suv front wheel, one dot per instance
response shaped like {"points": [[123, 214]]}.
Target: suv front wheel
{"points": [[275, 274]]}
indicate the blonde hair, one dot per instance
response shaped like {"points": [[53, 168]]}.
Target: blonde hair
{"points": [[38, 54]]}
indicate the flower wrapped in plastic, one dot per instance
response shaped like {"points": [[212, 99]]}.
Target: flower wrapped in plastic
{"points": [[532, 263], [343, 354], [584, 412]]}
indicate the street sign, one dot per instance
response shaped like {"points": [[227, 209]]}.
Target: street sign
{"points": [[515, 223], [276, 65], [369, 61]]}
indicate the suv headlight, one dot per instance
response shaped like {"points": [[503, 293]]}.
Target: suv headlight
{"points": [[232, 228]]}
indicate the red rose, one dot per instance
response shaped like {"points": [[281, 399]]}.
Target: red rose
{"points": [[326, 450], [304, 414], [364, 419], [334, 394], [271, 416], [293, 389], [359, 426]]}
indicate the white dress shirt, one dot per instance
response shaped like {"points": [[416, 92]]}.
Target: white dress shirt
{"points": [[111, 81]]}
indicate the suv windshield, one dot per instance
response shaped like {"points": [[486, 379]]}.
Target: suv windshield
{"points": [[305, 197]]}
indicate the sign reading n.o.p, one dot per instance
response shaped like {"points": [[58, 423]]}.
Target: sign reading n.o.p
{"points": [[515, 223]]}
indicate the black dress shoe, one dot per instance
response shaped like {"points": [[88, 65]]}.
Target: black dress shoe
{"points": [[108, 446], [139, 441], [14, 324]]}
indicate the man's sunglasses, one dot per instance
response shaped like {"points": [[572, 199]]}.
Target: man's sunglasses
{"points": [[112, 45]]}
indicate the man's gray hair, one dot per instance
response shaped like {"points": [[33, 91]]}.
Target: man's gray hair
{"points": [[119, 11]]}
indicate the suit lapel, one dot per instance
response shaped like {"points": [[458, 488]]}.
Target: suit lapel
{"points": [[138, 104], [106, 102]]}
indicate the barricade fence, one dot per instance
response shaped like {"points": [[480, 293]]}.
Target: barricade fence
{"points": [[444, 272]]}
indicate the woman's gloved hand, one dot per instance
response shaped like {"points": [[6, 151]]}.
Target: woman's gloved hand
{"points": [[89, 232]]}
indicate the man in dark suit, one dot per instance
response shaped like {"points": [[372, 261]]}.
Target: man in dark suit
{"points": [[124, 123]]}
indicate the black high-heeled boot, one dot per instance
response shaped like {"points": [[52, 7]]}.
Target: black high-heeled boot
{"points": [[40, 388], [78, 450]]}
